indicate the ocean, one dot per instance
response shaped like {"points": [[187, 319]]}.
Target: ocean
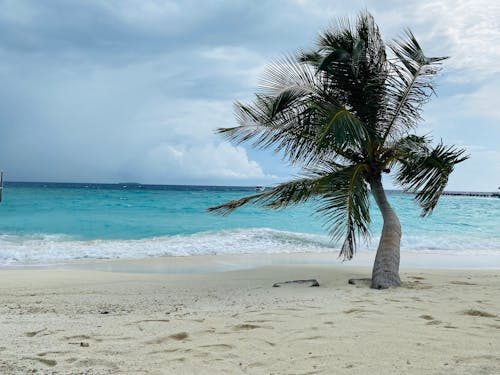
{"points": [[47, 223]]}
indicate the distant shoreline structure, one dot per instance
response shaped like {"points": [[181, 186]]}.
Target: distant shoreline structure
{"points": [[138, 185], [471, 194], [1, 185]]}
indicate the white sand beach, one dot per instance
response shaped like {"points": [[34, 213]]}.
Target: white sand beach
{"points": [[86, 320]]}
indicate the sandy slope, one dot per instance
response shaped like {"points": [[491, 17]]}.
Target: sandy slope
{"points": [[80, 321]]}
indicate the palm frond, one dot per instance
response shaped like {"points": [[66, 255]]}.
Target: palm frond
{"points": [[398, 149], [352, 62], [228, 207], [341, 128], [280, 113], [287, 73], [409, 86], [346, 207], [343, 112], [339, 36], [425, 171], [315, 182], [296, 117], [342, 200], [309, 57]]}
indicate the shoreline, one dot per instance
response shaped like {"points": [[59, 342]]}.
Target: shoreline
{"points": [[430, 259], [86, 320]]}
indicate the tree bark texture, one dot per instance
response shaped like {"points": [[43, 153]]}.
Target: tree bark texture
{"points": [[385, 272]]}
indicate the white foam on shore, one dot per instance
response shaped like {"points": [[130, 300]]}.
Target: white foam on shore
{"points": [[47, 249], [50, 248]]}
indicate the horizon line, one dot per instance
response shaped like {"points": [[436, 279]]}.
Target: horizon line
{"points": [[199, 185]]}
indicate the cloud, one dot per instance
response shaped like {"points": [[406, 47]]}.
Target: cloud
{"points": [[468, 32], [133, 90], [146, 120], [105, 106], [208, 162], [179, 144]]}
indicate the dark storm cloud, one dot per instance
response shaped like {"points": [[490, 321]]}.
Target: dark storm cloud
{"points": [[98, 90], [131, 90], [110, 30]]}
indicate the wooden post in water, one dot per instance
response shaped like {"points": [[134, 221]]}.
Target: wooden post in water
{"points": [[1, 185]]}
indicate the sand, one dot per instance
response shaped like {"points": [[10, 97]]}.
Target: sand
{"points": [[98, 319]]}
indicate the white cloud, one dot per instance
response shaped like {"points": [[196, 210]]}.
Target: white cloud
{"points": [[181, 144], [467, 31], [216, 162]]}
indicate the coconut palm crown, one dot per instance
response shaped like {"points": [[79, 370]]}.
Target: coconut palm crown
{"points": [[345, 113]]}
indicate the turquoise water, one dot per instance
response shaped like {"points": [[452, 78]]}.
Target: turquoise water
{"points": [[59, 222]]}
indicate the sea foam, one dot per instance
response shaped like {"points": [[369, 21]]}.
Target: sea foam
{"points": [[49, 248]]}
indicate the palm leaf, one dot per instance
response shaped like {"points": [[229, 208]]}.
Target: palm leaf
{"points": [[295, 116], [287, 73], [343, 200], [314, 183], [409, 86], [341, 128], [346, 208], [425, 170], [352, 63], [343, 111]]}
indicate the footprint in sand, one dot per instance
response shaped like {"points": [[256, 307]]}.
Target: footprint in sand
{"points": [[45, 361], [357, 310], [417, 278], [150, 320], [431, 320], [34, 333], [244, 326], [479, 313], [43, 354], [177, 336], [426, 317], [78, 337]]}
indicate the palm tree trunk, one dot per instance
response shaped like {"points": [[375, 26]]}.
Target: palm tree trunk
{"points": [[385, 272]]}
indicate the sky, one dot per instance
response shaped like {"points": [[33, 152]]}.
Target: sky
{"points": [[132, 90]]}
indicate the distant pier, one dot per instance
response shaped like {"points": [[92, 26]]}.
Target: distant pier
{"points": [[472, 194]]}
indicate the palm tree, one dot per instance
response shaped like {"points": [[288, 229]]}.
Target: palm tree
{"points": [[345, 112]]}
